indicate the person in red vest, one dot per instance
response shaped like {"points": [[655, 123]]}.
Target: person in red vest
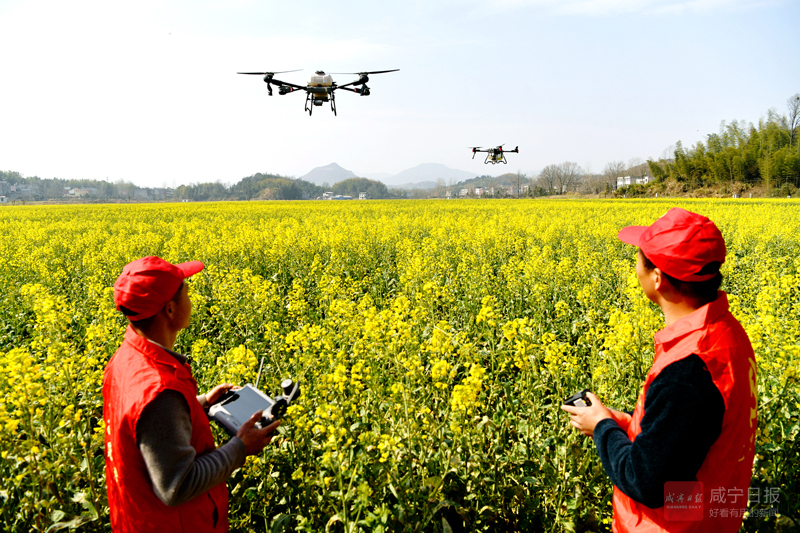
{"points": [[682, 459], [163, 470]]}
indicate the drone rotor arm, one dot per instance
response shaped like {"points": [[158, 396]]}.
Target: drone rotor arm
{"points": [[279, 83], [359, 81]]}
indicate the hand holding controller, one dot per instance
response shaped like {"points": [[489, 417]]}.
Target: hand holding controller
{"points": [[585, 411], [234, 408], [579, 399], [256, 438]]}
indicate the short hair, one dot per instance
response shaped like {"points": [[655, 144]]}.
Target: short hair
{"points": [[145, 323], [705, 291]]}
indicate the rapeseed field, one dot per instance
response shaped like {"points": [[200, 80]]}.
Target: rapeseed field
{"points": [[434, 342]]}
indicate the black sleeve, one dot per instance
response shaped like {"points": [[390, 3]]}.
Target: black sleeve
{"points": [[164, 433], [683, 413]]}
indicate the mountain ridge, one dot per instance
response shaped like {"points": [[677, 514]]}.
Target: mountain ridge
{"points": [[423, 176]]}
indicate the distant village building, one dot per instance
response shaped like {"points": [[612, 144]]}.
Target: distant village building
{"points": [[3, 199], [327, 195], [362, 196], [463, 193], [342, 197], [625, 181], [24, 192], [163, 194], [478, 191], [80, 193]]}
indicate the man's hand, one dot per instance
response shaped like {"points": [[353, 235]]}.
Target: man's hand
{"points": [[586, 418], [217, 392], [255, 439]]}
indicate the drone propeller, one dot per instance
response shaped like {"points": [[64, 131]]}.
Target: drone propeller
{"points": [[366, 73], [270, 73]]}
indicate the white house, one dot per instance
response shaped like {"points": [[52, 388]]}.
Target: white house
{"points": [[625, 181]]}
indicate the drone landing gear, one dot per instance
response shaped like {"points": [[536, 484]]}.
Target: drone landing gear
{"points": [[311, 102]]}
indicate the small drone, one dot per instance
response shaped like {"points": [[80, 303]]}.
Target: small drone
{"points": [[494, 155], [321, 87]]}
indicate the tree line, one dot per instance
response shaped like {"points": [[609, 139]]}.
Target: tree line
{"points": [[256, 187], [741, 153], [740, 156]]}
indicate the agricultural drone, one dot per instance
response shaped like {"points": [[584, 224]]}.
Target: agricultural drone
{"points": [[321, 87], [494, 155]]}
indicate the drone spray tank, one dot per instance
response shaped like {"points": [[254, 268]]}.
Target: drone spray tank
{"points": [[320, 79]]}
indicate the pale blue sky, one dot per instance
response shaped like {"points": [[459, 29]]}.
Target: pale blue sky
{"points": [[148, 92]]}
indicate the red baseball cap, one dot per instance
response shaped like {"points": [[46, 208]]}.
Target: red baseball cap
{"points": [[147, 284], [685, 245]]}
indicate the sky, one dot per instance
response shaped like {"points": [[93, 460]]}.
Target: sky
{"points": [[147, 91]]}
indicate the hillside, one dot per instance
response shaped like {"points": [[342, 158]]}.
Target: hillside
{"points": [[329, 174], [428, 172]]}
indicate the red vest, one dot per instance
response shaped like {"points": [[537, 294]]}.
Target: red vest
{"points": [[713, 334], [139, 371]]}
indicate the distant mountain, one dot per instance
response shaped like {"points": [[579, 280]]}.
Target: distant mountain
{"points": [[378, 176], [419, 185], [329, 174], [428, 172], [419, 177]]}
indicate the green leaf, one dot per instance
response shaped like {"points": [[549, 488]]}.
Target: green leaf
{"points": [[446, 526], [280, 522], [70, 524], [335, 518]]}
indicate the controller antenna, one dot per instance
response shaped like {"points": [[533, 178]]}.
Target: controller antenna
{"points": [[260, 367]]}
